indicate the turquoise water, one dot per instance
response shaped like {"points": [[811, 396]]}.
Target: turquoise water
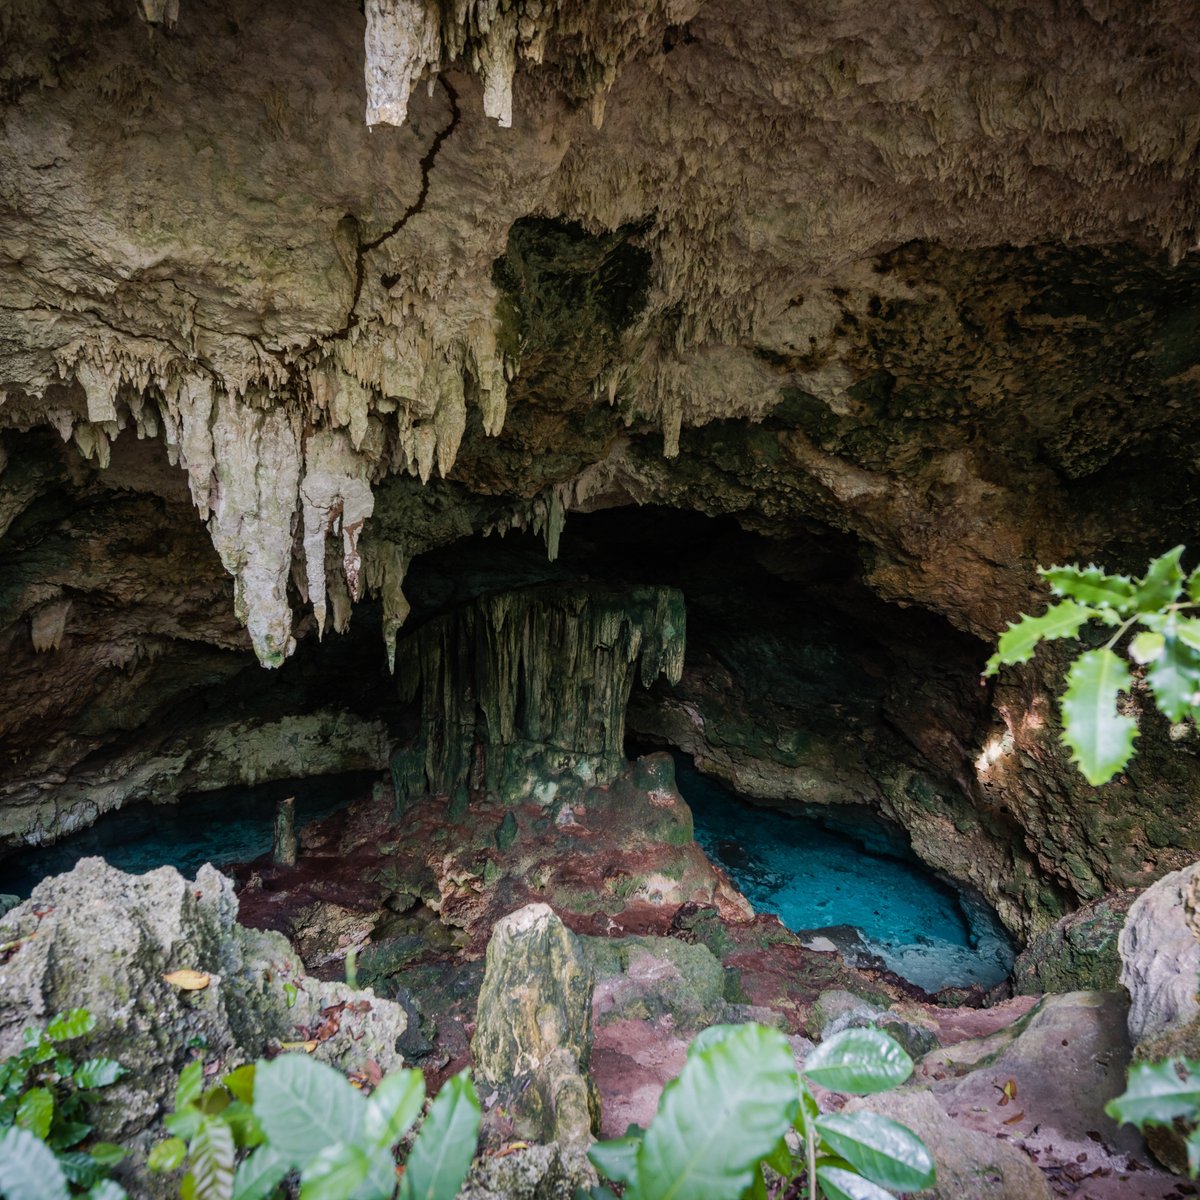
{"points": [[227, 826], [814, 877]]}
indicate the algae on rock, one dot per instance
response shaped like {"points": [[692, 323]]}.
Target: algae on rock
{"points": [[527, 690]]}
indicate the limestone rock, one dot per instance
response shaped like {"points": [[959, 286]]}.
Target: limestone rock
{"points": [[533, 1034], [100, 939], [970, 1165], [1077, 953], [1160, 957], [837, 1009], [647, 978]]}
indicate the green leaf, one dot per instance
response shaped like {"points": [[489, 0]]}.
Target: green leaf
{"points": [[1018, 642], [304, 1106], [69, 1025], [65, 1134], [28, 1170], [883, 1150], [212, 1156], [1100, 738], [240, 1083], [258, 1176], [244, 1123], [108, 1154], [808, 1111], [617, 1159], [1193, 1152], [335, 1173], [442, 1155], [167, 1155], [1174, 676], [107, 1189], [97, 1073], [1156, 1094], [728, 1108], [860, 1061], [190, 1085], [840, 1184], [1147, 646], [1091, 586], [36, 1111], [393, 1106], [1161, 583], [1193, 586], [80, 1168], [184, 1124]]}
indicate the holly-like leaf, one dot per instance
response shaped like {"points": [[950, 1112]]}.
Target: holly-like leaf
{"points": [[1090, 586], [1193, 586], [1157, 1094], [1174, 676], [1147, 646], [1161, 583], [1100, 738], [1018, 642]]}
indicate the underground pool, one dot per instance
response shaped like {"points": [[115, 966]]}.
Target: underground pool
{"points": [[221, 827], [866, 894]]}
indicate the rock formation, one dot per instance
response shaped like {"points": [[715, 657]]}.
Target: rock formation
{"points": [[294, 297]]}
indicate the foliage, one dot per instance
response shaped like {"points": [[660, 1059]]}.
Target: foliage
{"points": [[1160, 1094], [727, 1115], [44, 1098], [1165, 648], [298, 1115]]}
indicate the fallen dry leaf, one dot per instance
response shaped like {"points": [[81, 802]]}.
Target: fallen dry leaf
{"points": [[1014, 1118], [188, 980]]}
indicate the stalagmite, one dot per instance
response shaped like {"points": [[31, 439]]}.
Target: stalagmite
{"points": [[545, 671]]}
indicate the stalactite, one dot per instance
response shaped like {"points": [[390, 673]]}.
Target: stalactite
{"points": [[532, 676]]}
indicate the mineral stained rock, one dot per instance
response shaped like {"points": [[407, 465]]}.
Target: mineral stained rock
{"points": [[100, 939], [532, 679], [533, 1034]]}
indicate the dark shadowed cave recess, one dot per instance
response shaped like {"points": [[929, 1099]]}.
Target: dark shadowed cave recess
{"points": [[801, 689]]}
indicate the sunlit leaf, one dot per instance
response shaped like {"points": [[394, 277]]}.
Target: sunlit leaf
{"points": [[393, 1106], [335, 1173], [1100, 738], [1091, 586], [98, 1073], [840, 1184], [860, 1061], [304, 1106], [1156, 1094], [1161, 583], [241, 1083], [883, 1150], [69, 1025], [190, 1085], [1147, 646], [1018, 642], [28, 1170], [167, 1155], [728, 1108], [212, 1156], [36, 1111], [441, 1156], [1174, 675]]}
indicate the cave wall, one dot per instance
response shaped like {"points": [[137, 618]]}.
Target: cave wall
{"points": [[917, 278]]}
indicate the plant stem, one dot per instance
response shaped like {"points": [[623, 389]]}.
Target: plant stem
{"points": [[810, 1146]]}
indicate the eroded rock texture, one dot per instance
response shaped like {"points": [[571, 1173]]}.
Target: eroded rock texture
{"points": [[913, 282]]}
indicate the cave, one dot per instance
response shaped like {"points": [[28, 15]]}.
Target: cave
{"points": [[587, 455]]}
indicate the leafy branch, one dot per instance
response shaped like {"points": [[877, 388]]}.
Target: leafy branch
{"points": [[1166, 647]]}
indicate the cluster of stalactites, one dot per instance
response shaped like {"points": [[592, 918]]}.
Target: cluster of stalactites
{"points": [[551, 666], [281, 462], [411, 40]]}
